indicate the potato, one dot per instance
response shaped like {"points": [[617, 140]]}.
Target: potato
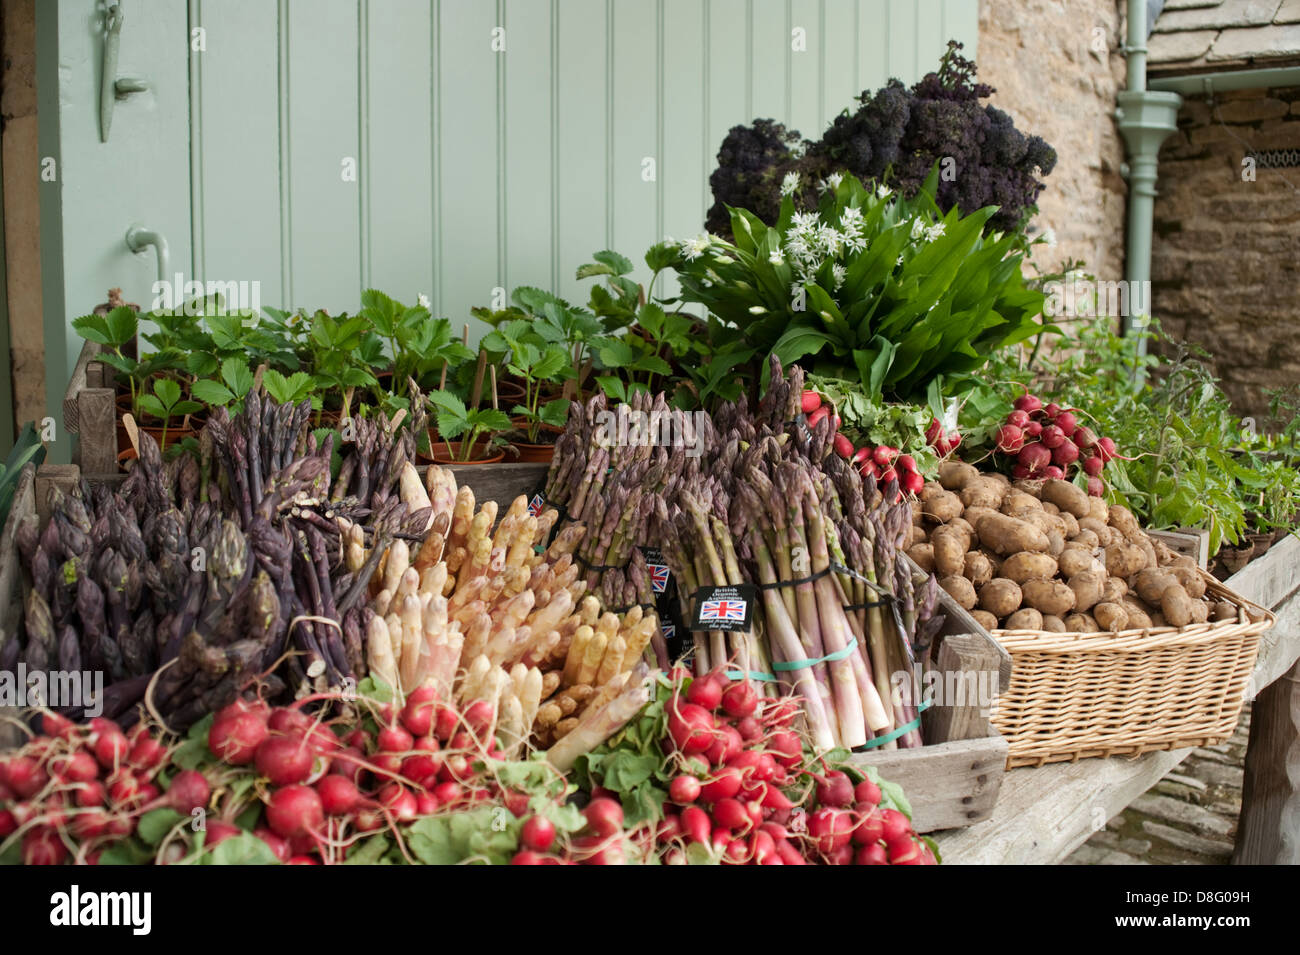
{"points": [[1024, 619], [1111, 616], [1200, 611], [954, 475], [1144, 544], [923, 555], [1028, 566], [1007, 535], [1113, 590], [961, 524], [978, 570], [960, 589], [985, 619], [1158, 619], [1040, 519], [1176, 606], [1049, 596], [1082, 623], [1055, 543], [949, 546], [1191, 580], [1076, 560], [1000, 597], [1124, 560], [1139, 614], [1071, 524], [1018, 501], [1066, 496], [994, 560], [1163, 554], [1120, 517], [1097, 527], [972, 516], [1087, 588], [1050, 508], [1087, 538], [983, 492], [1224, 610], [999, 477], [1097, 509], [1053, 624], [1032, 488], [1150, 584], [940, 505]]}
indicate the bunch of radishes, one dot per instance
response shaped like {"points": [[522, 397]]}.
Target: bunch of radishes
{"points": [[1047, 441], [882, 462], [740, 788], [74, 791], [944, 442]]}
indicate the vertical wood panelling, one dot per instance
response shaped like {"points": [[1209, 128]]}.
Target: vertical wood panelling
{"points": [[324, 173], [529, 127], [468, 155], [398, 144], [479, 169]]}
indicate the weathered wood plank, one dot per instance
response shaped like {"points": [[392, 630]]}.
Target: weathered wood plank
{"points": [[1271, 579], [1192, 541], [77, 384], [500, 482], [965, 714], [1268, 830], [958, 620], [97, 437], [949, 784]]}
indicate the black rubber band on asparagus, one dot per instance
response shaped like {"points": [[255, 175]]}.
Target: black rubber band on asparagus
{"points": [[598, 568], [798, 580]]}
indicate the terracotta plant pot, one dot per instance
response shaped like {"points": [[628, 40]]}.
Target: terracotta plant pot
{"points": [[440, 456], [174, 434], [534, 453]]}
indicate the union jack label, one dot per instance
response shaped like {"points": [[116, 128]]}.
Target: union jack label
{"points": [[669, 631], [536, 505], [658, 577], [722, 610]]}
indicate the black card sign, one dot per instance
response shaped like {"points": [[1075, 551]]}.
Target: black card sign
{"points": [[724, 608], [660, 576]]}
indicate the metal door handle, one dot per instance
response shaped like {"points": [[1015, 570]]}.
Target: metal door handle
{"points": [[138, 238], [112, 87]]}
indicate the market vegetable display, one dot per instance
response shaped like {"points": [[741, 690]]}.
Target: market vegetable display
{"points": [[1048, 441], [1045, 555]]}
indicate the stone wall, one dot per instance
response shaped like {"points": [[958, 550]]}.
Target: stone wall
{"points": [[1225, 264], [1056, 68]]}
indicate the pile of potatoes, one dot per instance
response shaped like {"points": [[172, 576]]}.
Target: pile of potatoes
{"points": [[1044, 555]]}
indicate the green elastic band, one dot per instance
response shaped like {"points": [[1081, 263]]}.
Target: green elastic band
{"points": [[905, 728], [740, 675], [829, 658]]}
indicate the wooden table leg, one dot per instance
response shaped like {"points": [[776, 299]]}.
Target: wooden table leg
{"points": [[1268, 830]]}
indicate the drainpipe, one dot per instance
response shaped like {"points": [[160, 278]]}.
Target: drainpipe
{"points": [[1146, 119]]}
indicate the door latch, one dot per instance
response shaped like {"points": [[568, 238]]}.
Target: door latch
{"points": [[113, 87]]}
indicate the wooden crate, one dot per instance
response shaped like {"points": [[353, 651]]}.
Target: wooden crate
{"points": [[954, 780], [11, 584], [1193, 542], [89, 412]]}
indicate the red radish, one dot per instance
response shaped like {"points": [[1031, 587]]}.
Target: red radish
{"points": [[934, 432], [279, 847], [217, 832], [526, 857], [90, 794], [1020, 472], [669, 829], [835, 423], [78, 767], [870, 829], [42, 846], [421, 769], [359, 739], [809, 402], [1085, 438], [1010, 439], [894, 825], [884, 455], [695, 823], [1035, 457], [785, 746], [867, 791], [604, 816], [749, 729], [1067, 422], [726, 744], [418, 715], [873, 854], [912, 482], [860, 455], [1018, 418], [85, 825], [394, 739], [691, 728], [1052, 436], [904, 852], [1065, 453], [1033, 429], [705, 691], [57, 726], [399, 801], [830, 828], [481, 718], [449, 793], [869, 467], [447, 722], [887, 475], [123, 787], [818, 413], [189, 791], [286, 720], [684, 790], [788, 853], [338, 795], [426, 804], [1096, 487], [537, 833], [1106, 447], [349, 763], [257, 707], [906, 463], [740, 699], [1093, 465], [302, 860], [1028, 402], [835, 789], [110, 743], [294, 811], [775, 800], [233, 740], [1053, 410], [843, 446], [730, 814], [1052, 471], [285, 760], [725, 784], [840, 855]]}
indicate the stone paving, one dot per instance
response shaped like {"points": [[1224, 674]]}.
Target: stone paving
{"points": [[1188, 818]]}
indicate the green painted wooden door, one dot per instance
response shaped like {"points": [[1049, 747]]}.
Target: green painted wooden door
{"points": [[446, 147]]}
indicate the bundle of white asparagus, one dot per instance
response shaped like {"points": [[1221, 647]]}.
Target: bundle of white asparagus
{"points": [[490, 615]]}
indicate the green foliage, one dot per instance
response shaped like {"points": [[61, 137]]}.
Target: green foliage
{"points": [[455, 420], [418, 345], [235, 381], [27, 448], [866, 421], [166, 403], [872, 286], [292, 389]]}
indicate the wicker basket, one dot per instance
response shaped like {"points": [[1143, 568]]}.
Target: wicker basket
{"points": [[1078, 695]]}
